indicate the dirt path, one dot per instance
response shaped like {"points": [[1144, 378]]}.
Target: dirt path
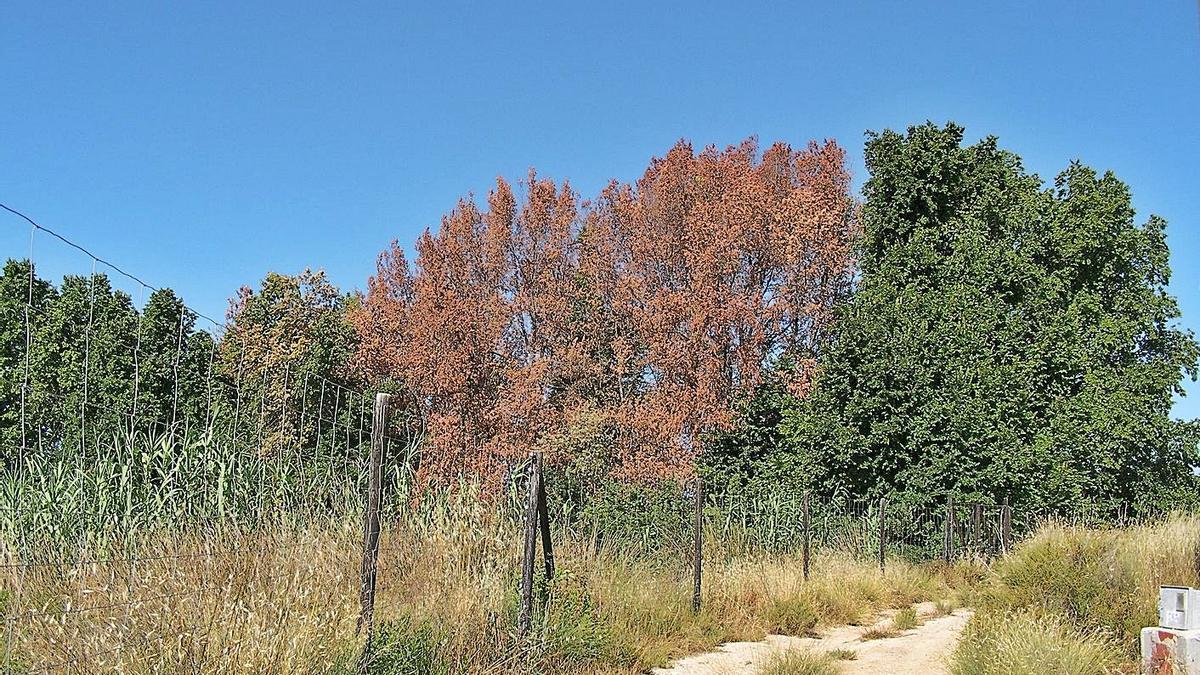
{"points": [[921, 651]]}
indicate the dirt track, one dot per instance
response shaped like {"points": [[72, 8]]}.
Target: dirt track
{"points": [[921, 651]]}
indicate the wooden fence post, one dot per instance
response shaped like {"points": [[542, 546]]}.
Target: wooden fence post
{"points": [[370, 560], [807, 536], [948, 542], [544, 520], [698, 554], [1006, 525], [882, 530], [525, 614]]}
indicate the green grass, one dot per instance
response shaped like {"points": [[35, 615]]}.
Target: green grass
{"points": [[842, 654], [405, 646]]}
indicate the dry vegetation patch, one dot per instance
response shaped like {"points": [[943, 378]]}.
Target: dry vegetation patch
{"points": [[285, 600]]}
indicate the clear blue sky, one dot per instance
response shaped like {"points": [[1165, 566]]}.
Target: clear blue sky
{"points": [[203, 144]]}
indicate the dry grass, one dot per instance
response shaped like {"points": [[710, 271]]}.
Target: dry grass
{"points": [[1032, 644], [287, 602], [188, 603], [1073, 600], [798, 662], [879, 633]]}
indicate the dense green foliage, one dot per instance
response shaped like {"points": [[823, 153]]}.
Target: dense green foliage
{"points": [[1004, 339], [79, 364]]}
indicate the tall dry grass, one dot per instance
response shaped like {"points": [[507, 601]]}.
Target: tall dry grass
{"points": [[1073, 599], [285, 600]]}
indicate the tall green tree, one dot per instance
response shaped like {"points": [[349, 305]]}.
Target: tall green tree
{"points": [[1005, 339], [173, 362], [82, 355], [23, 301]]}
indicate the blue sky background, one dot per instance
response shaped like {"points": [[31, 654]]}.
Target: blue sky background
{"points": [[201, 145]]}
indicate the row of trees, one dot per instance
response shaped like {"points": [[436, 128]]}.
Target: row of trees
{"points": [[80, 357], [965, 329], [81, 366]]}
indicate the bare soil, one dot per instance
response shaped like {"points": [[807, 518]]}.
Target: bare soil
{"points": [[923, 650]]}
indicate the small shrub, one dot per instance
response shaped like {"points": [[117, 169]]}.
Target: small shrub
{"points": [[792, 615], [879, 633], [943, 608], [798, 662], [905, 619], [574, 634]]}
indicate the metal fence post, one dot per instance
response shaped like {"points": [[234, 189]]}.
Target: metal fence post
{"points": [[807, 536], [698, 555], [948, 542], [882, 531], [1006, 526], [976, 529], [370, 560]]}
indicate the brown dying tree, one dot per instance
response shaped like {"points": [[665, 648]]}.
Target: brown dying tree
{"points": [[625, 328]]}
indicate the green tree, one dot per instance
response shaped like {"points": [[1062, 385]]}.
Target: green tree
{"points": [[90, 356], [1004, 338], [284, 357], [82, 355], [173, 363], [19, 288]]}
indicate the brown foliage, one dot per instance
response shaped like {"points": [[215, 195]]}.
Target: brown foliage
{"points": [[625, 332]]}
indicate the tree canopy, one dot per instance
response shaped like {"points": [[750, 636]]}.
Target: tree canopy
{"points": [[1004, 339], [621, 329]]}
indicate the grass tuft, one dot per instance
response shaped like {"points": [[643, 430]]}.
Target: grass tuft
{"points": [[906, 619], [798, 662], [792, 615], [842, 654], [879, 633]]}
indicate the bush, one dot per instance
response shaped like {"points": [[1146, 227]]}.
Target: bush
{"points": [[574, 634], [906, 619], [793, 615], [1031, 644], [1098, 580]]}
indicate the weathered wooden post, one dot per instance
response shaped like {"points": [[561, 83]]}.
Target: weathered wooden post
{"points": [[807, 536], [525, 613], [948, 542], [544, 520], [698, 554], [370, 560], [882, 531]]}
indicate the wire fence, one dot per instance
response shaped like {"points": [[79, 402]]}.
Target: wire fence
{"points": [[163, 484]]}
